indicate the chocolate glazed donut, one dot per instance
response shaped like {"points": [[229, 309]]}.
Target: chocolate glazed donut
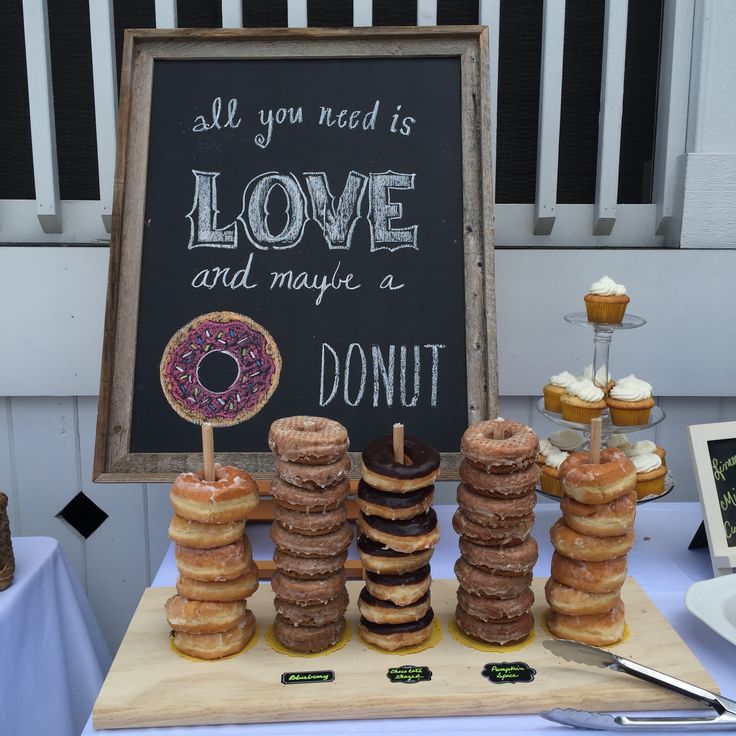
{"points": [[373, 502], [381, 471], [378, 558], [395, 636], [405, 535]]}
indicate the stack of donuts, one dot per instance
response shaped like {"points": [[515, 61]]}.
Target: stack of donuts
{"points": [[310, 531], [591, 542], [399, 530], [496, 498], [209, 614]]}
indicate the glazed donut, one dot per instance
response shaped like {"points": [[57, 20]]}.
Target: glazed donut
{"points": [[591, 577], [308, 591], [599, 630], [224, 590], [323, 545], [479, 581], [395, 636], [577, 546], [515, 450], [494, 511], [308, 440], [516, 560], [231, 497], [498, 536], [199, 534], [308, 639], [313, 477], [373, 502], [492, 609], [499, 485], [378, 558], [497, 631], [318, 614], [310, 525], [216, 646], [301, 499], [380, 470], [403, 535], [203, 617], [221, 563], [599, 483], [401, 589], [572, 602], [378, 611], [600, 520], [245, 341], [308, 567]]}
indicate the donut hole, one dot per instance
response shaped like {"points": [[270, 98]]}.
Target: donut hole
{"points": [[217, 371]]}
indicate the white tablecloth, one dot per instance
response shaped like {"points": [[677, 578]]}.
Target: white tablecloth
{"points": [[53, 658], [660, 562]]}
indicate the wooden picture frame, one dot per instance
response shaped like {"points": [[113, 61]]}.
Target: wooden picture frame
{"points": [[710, 473], [113, 460]]}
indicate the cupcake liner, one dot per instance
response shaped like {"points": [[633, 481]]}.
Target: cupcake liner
{"points": [[650, 487], [580, 414], [629, 417], [552, 400], [551, 485], [606, 313]]}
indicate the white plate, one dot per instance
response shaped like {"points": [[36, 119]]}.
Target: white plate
{"points": [[714, 603]]}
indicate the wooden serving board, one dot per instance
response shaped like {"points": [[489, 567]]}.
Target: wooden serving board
{"points": [[150, 685]]}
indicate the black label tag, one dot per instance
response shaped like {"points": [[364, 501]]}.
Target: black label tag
{"points": [[293, 678], [500, 673], [409, 674]]}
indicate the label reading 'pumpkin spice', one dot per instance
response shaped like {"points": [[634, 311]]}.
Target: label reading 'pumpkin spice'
{"points": [[500, 673]]}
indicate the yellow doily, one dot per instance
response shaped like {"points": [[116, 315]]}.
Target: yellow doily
{"points": [[248, 646], [435, 638], [627, 632], [277, 647], [482, 646]]}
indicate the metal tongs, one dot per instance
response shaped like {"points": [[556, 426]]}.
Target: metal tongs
{"points": [[724, 708]]}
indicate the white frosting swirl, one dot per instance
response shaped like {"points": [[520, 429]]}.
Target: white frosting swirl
{"points": [[618, 440], [606, 286], [585, 390], [631, 388], [568, 440], [555, 459], [546, 447], [602, 376], [646, 462], [642, 447], [563, 379]]}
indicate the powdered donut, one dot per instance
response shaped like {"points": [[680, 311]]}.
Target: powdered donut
{"points": [[404, 535], [310, 591], [310, 524], [572, 602], [499, 485], [497, 631], [200, 534], [600, 520], [373, 502], [308, 639], [577, 546], [597, 483], [401, 589], [313, 477], [308, 440], [216, 646], [380, 470], [322, 545], [301, 499], [516, 560], [236, 589], [220, 563], [499, 536], [479, 581], [251, 347], [492, 609], [376, 557], [592, 577], [378, 611], [395, 636], [598, 630], [494, 511], [203, 617], [308, 567], [232, 496], [515, 450], [319, 614]]}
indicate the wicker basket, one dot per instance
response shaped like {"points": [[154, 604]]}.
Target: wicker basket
{"points": [[7, 561]]}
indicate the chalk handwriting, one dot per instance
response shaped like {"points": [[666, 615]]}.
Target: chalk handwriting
{"points": [[290, 115], [320, 283], [201, 125]]}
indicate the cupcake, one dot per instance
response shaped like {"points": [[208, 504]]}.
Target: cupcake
{"points": [[582, 402], [606, 301], [630, 402], [568, 440], [618, 440], [643, 447], [550, 479], [602, 378], [555, 388], [650, 474], [545, 448]]}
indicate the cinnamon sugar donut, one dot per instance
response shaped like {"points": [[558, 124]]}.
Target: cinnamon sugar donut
{"points": [[600, 520], [515, 450], [302, 499], [395, 636], [378, 611], [376, 557], [577, 546], [308, 639], [479, 581], [592, 577], [220, 563], [203, 617], [492, 609], [572, 602], [224, 590], [310, 524], [497, 631], [232, 496], [598, 630], [517, 560], [499, 536], [404, 535], [308, 440], [597, 483], [200, 534], [380, 470], [308, 591], [401, 589], [494, 511], [323, 545], [216, 646], [373, 502], [313, 477], [308, 567], [318, 614], [499, 485]]}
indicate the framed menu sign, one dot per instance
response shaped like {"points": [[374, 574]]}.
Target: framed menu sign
{"points": [[302, 225], [714, 456]]}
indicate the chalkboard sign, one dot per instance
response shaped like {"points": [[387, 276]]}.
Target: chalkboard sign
{"points": [[714, 455], [327, 189]]}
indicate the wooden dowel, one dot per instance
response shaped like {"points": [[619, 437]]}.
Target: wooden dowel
{"points": [[497, 430], [595, 440], [208, 452], [398, 443]]}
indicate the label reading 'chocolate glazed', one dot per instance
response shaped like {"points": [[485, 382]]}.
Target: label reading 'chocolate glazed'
{"points": [[500, 673], [409, 674], [293, 678]]}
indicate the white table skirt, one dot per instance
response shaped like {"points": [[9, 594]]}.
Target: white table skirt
{"points": [[660, 562], [53, 658]]}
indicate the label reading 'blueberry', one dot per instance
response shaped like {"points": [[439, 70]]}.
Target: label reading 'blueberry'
{"points": [[500, 673], [293, 678], [409, 674]]}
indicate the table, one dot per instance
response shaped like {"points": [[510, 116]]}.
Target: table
{"points": [[53, 658], [660, 562]]}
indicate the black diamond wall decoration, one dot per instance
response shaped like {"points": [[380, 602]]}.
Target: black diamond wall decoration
{"points": [[83, 514]]}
